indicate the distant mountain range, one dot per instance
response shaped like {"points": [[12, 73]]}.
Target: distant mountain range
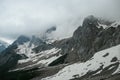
{"points": [[92, 53], [3, 45]]}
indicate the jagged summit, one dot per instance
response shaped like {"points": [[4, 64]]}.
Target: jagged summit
{"points": [[22, 39], [88, 29], [90, 20]]}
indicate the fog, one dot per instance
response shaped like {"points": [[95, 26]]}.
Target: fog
{"points": [[31, 17]]}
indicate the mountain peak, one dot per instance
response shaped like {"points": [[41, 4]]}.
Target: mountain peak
{"points": [[88, 29], [22, 39], [90, 20]]}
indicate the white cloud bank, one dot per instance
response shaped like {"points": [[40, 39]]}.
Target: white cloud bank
{"points": [[34, 16]]}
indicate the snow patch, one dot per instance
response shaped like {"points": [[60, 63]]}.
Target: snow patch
{"points": [[26, 49], [81, 69], [41, 59]]}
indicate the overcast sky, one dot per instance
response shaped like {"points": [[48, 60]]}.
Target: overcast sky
{"points": [[34, 16]]}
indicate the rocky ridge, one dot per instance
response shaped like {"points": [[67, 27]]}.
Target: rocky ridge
{"points": [[88, 39]]}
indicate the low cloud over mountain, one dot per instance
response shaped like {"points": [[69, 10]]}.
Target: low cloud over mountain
{"points": [[35, 16]]}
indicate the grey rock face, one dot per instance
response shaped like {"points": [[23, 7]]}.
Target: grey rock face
{"points": [[78, 46], [88, 39], [8, 59]]}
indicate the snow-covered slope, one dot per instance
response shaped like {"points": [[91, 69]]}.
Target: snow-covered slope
{"points": [[26, 44], [97, 63], [30, 58], [26, 49], [41, 59], [116, 23]]}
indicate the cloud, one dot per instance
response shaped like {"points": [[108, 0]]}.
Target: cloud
{"points": [[35, 16]]}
